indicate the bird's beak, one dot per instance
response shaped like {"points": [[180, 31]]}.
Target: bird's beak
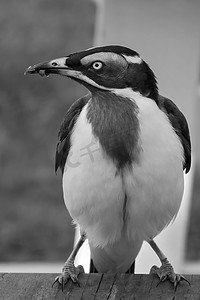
{"points": [[55, 66]]}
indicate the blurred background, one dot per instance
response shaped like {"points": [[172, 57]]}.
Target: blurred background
{"points": [[34, 224]]}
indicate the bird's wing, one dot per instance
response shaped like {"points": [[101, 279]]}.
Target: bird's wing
{"points": [[180, 126], [63, 145]]}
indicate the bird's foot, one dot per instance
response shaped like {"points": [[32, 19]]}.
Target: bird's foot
{"points": [[166, 272], [69, 271]]}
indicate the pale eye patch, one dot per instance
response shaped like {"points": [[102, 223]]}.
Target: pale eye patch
{"points": [[105, 57], [133, 59]]}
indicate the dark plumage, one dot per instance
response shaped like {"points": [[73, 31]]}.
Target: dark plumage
{"points": [[180, 126], [63, 145], [113, 124]]}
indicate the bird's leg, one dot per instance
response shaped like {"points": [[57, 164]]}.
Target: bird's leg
{"points": [[69, 270], [166, 270]]}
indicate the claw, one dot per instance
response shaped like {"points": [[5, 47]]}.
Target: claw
{"points": [[184, 279], [69, 272], [165, 272], [178, 279], [61, 281], [62, 284], [55, 280]]}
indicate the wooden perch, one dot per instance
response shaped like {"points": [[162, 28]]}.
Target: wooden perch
{"points": [[95, 286]]}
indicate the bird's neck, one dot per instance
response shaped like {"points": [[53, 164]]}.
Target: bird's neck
{"points": [[114, 122]]}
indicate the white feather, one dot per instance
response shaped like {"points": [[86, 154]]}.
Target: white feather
{"points": [[155, 185], [133, 59], [94, 194]]}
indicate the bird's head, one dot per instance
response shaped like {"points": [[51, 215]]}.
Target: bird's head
{"points": [[104, 68]]}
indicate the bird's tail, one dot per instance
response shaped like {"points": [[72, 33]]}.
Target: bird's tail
{"points": [[92, 267], [131, 270]]}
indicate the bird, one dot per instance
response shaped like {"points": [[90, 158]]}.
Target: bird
{"points": [[122, 150]]}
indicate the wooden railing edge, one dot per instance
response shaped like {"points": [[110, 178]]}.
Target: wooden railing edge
{"points": [[38, 286]]}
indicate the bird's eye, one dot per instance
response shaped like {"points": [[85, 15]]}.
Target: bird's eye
{"points": [[97, 65]]}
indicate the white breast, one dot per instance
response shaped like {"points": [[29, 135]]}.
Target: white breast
{"points": [[155, 185], [93, 193]]}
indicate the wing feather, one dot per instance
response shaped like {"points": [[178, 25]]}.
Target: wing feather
{"points": [[180, 126], [63, 145]]}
